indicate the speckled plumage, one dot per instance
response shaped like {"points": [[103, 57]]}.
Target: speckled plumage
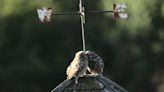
{"points": [[95, 63], [78, 66]]}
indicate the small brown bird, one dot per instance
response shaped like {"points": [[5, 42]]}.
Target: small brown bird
{"points": [[78, 66], [95, 63]]}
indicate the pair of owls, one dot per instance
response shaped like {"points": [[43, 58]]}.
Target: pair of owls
{"points": [[83, 61]]}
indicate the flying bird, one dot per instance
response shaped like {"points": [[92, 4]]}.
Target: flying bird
{"points": [[78, 66], [95, 63]]}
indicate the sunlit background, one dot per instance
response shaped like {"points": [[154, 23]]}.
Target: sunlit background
{"points": [[34, 56]]}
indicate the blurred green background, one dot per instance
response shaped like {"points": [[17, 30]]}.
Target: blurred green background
{"points": [[34, 56]]}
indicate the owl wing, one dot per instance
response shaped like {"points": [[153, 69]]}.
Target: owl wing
{"points": [[73, 69]]}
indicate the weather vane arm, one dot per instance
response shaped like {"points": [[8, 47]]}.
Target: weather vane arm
{"points": [[118, 11], [66, 13], [77, 13]]}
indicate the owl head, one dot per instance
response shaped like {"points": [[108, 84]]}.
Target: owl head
{"points": [[91, 55], [82, 55]]}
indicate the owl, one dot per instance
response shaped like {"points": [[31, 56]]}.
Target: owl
{"points": [[78, 66], [95, 63], [44, 14]]}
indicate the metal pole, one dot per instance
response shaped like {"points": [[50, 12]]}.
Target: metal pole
{"points": [[88, 12], [82, 17]]}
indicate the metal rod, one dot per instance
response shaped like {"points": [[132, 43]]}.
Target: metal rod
{"points": [[66, 13], [82, 17], [98, 11], [77, 13], [83, 34]]}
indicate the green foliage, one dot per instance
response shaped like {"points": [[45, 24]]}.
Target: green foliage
{"points": [[34, 56]]}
